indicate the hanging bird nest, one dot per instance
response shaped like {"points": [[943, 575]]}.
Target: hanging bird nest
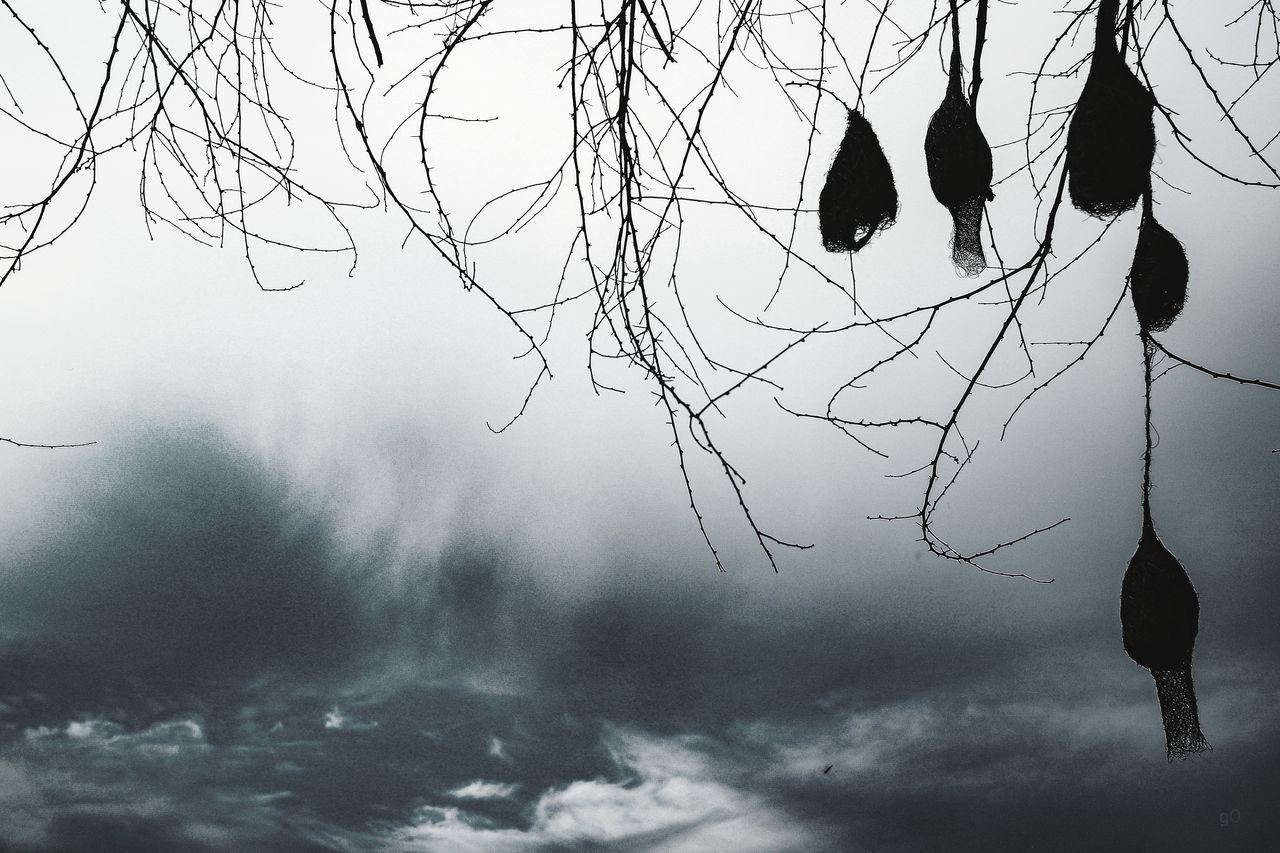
{"points": [[1159, 616], [1112, 140], [1158, 278], [960, 170], [859, 199]]}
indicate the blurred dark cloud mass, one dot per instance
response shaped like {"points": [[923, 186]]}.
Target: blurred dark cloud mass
{"points": [[195, 662]]}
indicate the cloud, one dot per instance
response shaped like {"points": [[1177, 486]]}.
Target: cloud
{"points": [[1016, 775], [481, 790], [95, 784], [335, 720], [184, 570], [167, 739], [498, 750], [666, 800], [194, 663]]}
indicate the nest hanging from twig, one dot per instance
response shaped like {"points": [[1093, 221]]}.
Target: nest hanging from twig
{"points": [[1160, 616], [1112, 140], [1158, 277], [959, 161], [859, 199]]}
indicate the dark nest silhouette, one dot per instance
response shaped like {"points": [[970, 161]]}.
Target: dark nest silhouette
{"points": [[1112, 140], [959, 161], [1158, 278], [1160, 616], [859, 199]]}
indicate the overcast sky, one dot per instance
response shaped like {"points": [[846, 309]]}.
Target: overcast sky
{"points": [[298, 597]]}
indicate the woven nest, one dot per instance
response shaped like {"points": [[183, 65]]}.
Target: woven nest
{"points": [[959, 161], [1158, 278], [1159, 616], [1112, 140], [859, 199], [1159, 610]]}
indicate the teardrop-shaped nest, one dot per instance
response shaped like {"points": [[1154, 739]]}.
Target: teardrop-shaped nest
{"points": [[957, 153], [1159, 609], [1160, 615], [959, 161], [1158, 278], [1112, 140], [859, 199]]}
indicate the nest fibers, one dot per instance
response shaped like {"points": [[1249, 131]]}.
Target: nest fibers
{"points": [[1112, 140], [959, 161], [859, 199]]}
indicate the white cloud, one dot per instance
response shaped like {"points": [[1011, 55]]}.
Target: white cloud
{"points": [[481, 790], [81, 730], [669, 801], [451, 830], [338, 721], [166, 772], [91, 767], [167, 738]]}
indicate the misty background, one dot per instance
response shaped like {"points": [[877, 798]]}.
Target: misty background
{"points": [[299, 597]]}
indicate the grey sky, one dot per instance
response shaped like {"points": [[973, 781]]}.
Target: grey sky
{"points": [[299, 598]]}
